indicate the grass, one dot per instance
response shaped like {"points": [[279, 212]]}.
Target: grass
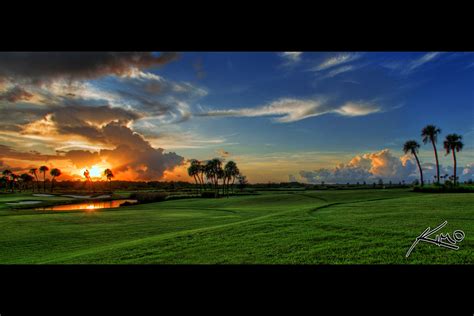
{"points": [[288, 227]]}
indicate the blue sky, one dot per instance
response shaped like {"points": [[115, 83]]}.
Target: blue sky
{"points": [[276, 113], [411, 90]]}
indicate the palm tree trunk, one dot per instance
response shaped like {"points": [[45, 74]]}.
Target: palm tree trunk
{"points": [[52, 184], [196, 182], [455, 164], [44, 181], [437, 162], [419, 168]]}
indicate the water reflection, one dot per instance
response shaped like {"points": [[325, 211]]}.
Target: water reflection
{"points": [[85, 206]]}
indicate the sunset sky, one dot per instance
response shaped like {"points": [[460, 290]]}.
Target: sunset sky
{"points": [[299, 116]]}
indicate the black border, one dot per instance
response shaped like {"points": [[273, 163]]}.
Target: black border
{"points": [[127, 289]]}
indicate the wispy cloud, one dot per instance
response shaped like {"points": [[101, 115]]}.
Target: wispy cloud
{"points": [[292, 110], [337, 60], [406, 66], [291, 58], [422, 60]]}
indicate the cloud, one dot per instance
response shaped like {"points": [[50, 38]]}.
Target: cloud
{"points": [[368, 167], [8, 152], [85, 121], [383, 165], [222, 153], [39, 67], [83, 158], [338, 71], [291, 58], [337, 60], [422, 60], [16, 94], [291, 110], [406, 67]]}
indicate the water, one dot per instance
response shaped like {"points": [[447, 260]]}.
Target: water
{"points": [[85, 206], [23, 202]]}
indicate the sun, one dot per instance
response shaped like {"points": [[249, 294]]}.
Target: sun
{"points": [[95, 172]]}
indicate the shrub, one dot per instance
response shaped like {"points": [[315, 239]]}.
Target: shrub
{"points": [[208, 194], [444, 189], [149, 197]]}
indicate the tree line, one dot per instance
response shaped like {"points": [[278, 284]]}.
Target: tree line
{"points": [[451, 144], [10, 180]]}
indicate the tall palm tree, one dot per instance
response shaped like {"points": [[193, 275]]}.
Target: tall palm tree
{"points": [[193, 170], [7, 175], [453, 143], [230, 172], [109, 174], [43, 169], [412, 146], [33, 172], [201, 174], [430, 134], [214, 172], [55, 172]]}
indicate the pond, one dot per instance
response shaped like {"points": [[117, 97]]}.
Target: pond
{"points": [[85, 206]]}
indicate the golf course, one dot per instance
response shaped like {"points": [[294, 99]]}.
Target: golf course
{"points": [[364, 226]]}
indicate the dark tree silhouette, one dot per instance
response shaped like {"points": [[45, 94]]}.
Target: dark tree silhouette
{"points": [[412, 147], [109, 174], [430, 134], [25, 179], [55, 172], [193, 171], [43, 169], [8, 179], [453, 143], [33, 172], [230, 173]]}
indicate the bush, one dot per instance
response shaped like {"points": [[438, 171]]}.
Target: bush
{"points": [[149, 197], [208, 194], [444, 189]]}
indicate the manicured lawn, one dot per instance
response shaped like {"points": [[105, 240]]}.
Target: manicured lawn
{"points": [[307, 227]]}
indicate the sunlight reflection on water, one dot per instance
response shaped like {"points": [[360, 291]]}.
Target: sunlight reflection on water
{"points": [[85, 206]]}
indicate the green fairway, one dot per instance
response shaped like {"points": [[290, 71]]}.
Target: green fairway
{"points": [[297, 227]]}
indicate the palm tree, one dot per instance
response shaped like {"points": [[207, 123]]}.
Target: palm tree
{"points": [[453, 143], [7, 175], [87, 175], [193, 170], [43, 169], [230, 172], [430, 134], [214, 172], [109, 174], [33, 172], [412, 146], [201, 173], [25, 179], [55, 172]]}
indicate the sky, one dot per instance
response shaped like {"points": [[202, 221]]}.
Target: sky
{"points": [[282, 116]]}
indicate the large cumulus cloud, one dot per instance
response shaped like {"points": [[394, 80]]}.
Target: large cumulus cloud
{"points": [[383, 165], [368, 167]]}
